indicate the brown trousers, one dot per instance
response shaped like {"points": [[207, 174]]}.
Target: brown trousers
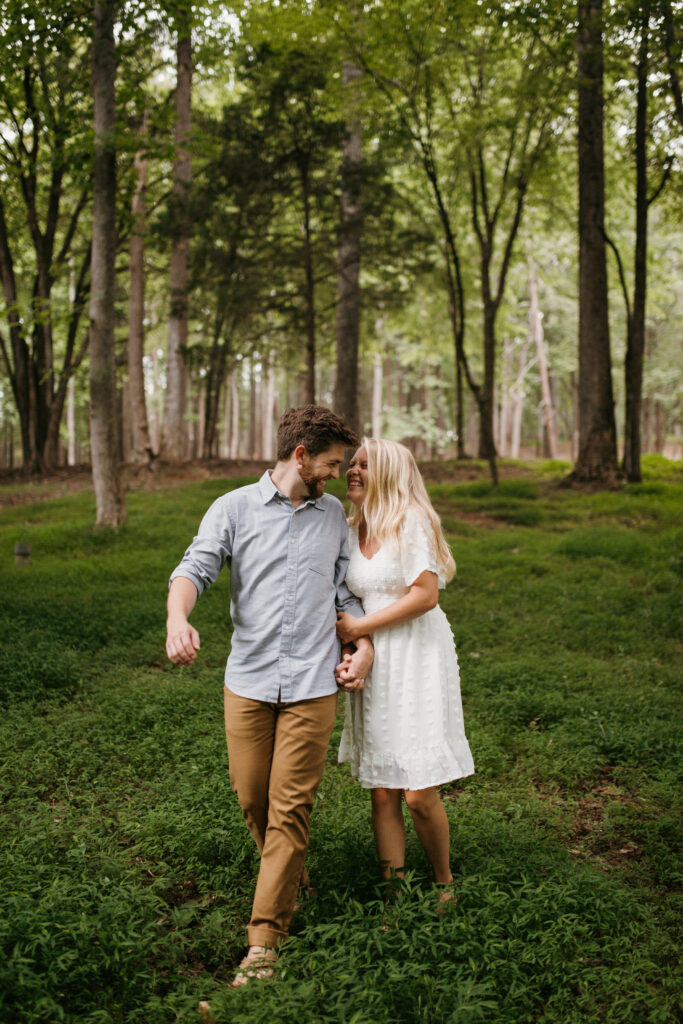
{"points": [[277, 755]]}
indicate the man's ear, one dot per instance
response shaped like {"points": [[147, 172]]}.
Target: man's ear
{"points": [[299, 453]]}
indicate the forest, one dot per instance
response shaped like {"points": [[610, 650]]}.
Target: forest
{"points": [[456, 223]]}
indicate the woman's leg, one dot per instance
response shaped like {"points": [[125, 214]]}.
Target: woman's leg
{"points": [[431, 825], [390, 832]]}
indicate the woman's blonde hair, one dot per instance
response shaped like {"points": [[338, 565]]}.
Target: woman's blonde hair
{"points": [[395, 485]]}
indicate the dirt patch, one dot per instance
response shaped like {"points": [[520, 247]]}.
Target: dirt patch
{"points": [[587, 838], [17, 488]]}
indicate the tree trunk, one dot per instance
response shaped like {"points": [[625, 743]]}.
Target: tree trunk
{"points": [[597, 459], [308, 379], [350, 233], [536, 327], [213, 383], [459, 412], [174, 407], [201, 420], [111, 509], [660, 436], [646, 426], [635, 335], [156, 388], [235, 416], [518, 393], [141, 445], [268, 415], [376, 415], [485, 395], [506, 385], [71, 423]]}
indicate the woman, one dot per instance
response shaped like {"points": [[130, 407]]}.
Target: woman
{"points": [[404, 733]]}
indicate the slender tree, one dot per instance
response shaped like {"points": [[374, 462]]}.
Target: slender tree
{"points": [[350, 234], [597, 458], [673, 48], [174, 432], [111, 508], [636, 303], [136, 316]]}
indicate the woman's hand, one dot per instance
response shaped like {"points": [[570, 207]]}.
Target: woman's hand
{"points": [[348, 627]]}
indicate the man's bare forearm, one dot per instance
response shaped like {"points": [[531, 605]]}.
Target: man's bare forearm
{"points": [[182, 597], [182, 640]]}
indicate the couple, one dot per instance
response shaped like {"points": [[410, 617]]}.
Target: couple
{"points": [[294, 583]]}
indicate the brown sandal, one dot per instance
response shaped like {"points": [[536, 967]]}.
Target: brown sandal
{"points": [[257, 964]]}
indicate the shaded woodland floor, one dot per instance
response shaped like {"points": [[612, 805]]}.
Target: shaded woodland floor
{"points": [[128, 872]]}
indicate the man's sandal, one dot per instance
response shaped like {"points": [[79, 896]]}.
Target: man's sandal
{"points": [[257, 964]]}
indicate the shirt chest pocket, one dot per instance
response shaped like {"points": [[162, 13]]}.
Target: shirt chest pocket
{"points": [[319, 558]]}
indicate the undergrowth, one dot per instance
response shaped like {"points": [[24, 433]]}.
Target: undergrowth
{"points": [[127, 869]]}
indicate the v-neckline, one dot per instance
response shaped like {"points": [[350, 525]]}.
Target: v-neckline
{"points": [[371, 557]]}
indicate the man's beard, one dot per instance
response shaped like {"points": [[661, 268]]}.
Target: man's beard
{"points": [[312, 482]]}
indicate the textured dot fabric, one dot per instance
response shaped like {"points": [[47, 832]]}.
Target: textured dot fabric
{"points": [[405, 729]]}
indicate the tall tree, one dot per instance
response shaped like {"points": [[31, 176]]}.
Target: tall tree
{"points": [[174, 432], [639, 23], [481, 115], [350, 235], [597, 458], [136, 314], [44, 106], [109, 496], [673, 48]]}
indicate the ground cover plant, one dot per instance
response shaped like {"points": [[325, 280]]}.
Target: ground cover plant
{"points": [[127, 871]]}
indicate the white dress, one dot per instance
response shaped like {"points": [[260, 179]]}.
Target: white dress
{"points": [[405, 729]]}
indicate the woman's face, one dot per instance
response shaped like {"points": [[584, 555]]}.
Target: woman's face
{"points": [[357, 477]]}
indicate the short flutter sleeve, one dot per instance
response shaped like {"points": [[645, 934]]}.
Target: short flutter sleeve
{"points": [[418, 548]]}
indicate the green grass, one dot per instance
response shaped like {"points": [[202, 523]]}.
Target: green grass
{"points": [[127, 869]]}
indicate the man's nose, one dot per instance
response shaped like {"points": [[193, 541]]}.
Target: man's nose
{"points": [[335, 472]]}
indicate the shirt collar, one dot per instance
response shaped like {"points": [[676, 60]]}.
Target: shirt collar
{"points": [[269, 491], [267, 488]]}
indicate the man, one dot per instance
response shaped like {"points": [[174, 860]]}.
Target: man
{"points": [[286, 544]]}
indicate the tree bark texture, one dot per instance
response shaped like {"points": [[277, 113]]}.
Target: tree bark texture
{"points": [[350, 237], [673, 51], [111, 509], [213, 383], [519, 391], [175, 430], [597, 459], [136, 314], [536, 327], [635, 332], [308, 378]]}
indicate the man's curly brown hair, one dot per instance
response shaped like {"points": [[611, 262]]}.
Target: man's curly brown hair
{"points": [[315, 427]]}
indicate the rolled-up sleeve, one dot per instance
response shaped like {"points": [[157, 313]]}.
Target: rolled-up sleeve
{"points": [[345, 600], [210, 549]]}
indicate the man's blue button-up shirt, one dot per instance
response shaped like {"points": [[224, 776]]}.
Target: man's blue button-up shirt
{"points": [[287, 568]]}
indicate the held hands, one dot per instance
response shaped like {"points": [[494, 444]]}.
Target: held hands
{"points": [[345, 675], [354, 667], [349, 628], [182, 642]]}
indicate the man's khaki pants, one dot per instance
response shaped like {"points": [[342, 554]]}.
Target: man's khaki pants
{"points": [[277, 754]]}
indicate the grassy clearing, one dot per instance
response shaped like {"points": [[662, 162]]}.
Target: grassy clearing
{"points": [[127, 870]]}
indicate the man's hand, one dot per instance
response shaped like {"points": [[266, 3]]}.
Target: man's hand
{"points": [[345, 677], [182, 641], [355, 665]]}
